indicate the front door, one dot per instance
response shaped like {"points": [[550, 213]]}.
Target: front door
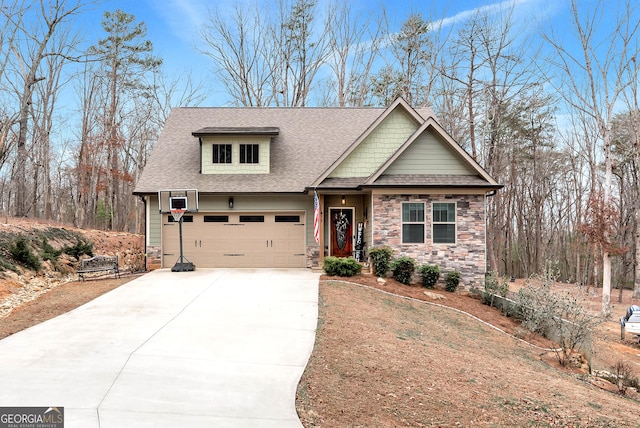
{"points": [[341, 220]]}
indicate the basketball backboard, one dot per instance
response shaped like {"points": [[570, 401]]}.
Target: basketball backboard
{"points": [[186, 199]]}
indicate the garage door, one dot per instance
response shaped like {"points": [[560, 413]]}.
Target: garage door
{"points": [[236, 240]]}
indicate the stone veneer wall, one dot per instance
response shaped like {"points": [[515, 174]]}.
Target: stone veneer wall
{"points": [[313, 256], [467, 255], [154, 258]]}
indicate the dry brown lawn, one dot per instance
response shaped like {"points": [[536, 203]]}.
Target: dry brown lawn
{"points": [[384, 361]]}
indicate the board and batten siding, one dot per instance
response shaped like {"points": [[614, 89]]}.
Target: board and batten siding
{"points": [[377, 147], [429, 155], [235, 167], [154, 222]]}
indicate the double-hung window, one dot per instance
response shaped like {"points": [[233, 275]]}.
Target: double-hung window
{"points": [[221, 153], [249, 153], [412, 222], [444, 223]]}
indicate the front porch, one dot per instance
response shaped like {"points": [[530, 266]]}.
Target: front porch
{"points": [[352, 223], [344, 227]]}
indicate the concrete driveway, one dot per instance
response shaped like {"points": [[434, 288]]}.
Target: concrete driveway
{"points": [[209, 348]]}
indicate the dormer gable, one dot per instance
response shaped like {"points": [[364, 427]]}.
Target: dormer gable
{"points": [[235, 150]]}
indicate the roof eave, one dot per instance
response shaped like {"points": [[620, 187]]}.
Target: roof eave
{"points": [[434, 186], [222, 131]]}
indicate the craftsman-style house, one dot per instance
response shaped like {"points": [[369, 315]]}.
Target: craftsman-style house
{"points": [[251, 178]]}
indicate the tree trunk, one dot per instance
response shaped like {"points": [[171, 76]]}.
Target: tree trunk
{"points": [[636, 277]]}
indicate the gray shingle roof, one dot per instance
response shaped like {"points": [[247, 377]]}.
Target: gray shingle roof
{"points": [[432, 180], [309, 140], [404, 180]]}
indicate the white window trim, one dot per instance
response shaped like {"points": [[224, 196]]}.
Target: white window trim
{"points": [[423, 223], [454, 223], [213, 149], [248, 145]]}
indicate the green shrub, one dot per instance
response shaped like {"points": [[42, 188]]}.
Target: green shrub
{"points": [[80, 248], [494, 285], [22, 253], [7, 265], [380, 260], [430, 275], [337, 266], [47, 252], [403, 268], [452, 279]]}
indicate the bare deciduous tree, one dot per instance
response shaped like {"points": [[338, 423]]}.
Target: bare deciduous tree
{"points": [[268, 59], [594, 82], [354, 48], [29, 57]]}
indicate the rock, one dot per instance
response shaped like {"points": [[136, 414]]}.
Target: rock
{"points": [[434, 296], [382, 281]]}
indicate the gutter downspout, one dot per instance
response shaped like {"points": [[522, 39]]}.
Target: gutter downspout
{"points": [[487, 195], [144, 203], [200, 143]]}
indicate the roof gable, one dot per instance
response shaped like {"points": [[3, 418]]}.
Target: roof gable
{"points": [[382, 142], [385, 135], [431, 151]]}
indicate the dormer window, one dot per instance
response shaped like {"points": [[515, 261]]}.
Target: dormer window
{"points": [[225, 150], [249, 153], [222, 153]]}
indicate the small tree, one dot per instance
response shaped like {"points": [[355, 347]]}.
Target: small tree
{"points": [[599, 228], [622, 377], [494, 286]]}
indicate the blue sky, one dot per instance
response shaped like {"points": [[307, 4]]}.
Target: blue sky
{"points": [[173, 24]]}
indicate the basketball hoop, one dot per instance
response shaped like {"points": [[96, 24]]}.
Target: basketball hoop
{"points": [[177, 215]]}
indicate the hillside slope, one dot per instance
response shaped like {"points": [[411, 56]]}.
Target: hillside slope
{"points": [[20, 282], [380, 361]]}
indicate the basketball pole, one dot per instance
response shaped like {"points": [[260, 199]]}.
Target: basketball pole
{"points": [[182, 265]]}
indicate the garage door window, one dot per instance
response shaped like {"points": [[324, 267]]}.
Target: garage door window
{"points": [[185, 219], [287, 219], [251, 219], [216, 219]]}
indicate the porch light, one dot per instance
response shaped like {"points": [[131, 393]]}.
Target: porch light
{"points": [[230, 202], [343, 200]]}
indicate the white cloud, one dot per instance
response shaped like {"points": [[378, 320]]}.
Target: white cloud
{"points": [[490, 9], [183, 17]]}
